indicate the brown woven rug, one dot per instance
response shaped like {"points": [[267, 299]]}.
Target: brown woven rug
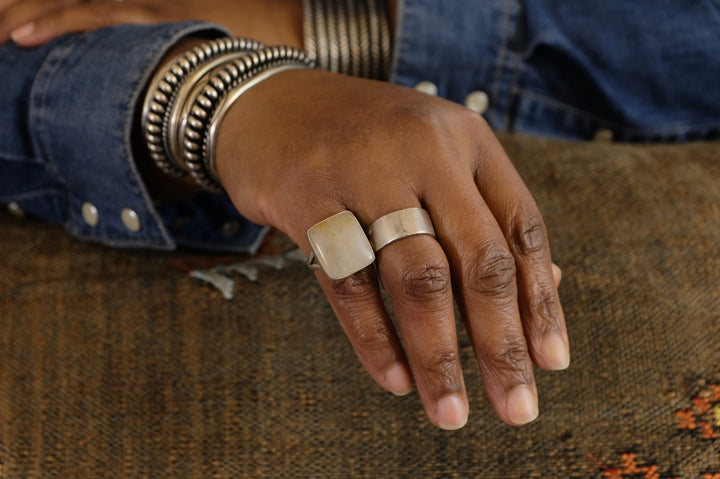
{"points": [[119, 364]]}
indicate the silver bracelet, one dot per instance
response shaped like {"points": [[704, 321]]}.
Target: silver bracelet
{"points": [[167, 86], [178, 116], [214, 97], [224, 106], [348, 36]]}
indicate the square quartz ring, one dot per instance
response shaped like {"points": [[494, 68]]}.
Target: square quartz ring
{"points": [[339, 246]]}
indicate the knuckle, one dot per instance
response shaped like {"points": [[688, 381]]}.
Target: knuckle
{"points": [[544, 311], [370, 336], [351, 297], [441, 366], [473, 121], [358, 288], [417, 115], [494, 274], [510, 358], [426, 282], [528, 234], [432, 128]]}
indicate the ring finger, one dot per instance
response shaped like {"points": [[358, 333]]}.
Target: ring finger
{"points": [[416, 276]]}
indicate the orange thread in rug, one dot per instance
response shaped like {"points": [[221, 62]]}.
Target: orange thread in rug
{"points": [[704, 416], [630, 468]]}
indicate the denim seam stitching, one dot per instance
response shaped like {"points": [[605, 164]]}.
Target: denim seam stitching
{"points": [[38, 103]]}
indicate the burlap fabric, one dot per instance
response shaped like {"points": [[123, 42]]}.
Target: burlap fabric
{"points": [[119, 364]]}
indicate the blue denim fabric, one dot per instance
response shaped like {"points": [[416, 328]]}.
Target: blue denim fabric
{"points": [[66, 114], [648, 70]]}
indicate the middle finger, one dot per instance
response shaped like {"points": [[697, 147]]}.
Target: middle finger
{"points": [[484, 273], [416, 276]]}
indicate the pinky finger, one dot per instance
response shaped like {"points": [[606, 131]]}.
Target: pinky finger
{"points": [[557, 274]]}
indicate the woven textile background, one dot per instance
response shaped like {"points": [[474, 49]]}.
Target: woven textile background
{"points": [[119, 364]]}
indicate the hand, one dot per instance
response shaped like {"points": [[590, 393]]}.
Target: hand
{"points": [[33, 22], [304, 145]]}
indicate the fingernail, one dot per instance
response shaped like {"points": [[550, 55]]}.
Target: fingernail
{"points": [[557, 272], [555, 352], [452, 412], [398, 381], [522, 406], [21, 32]]}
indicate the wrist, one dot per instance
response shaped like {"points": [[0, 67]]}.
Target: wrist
{"points": [[189, 96]]}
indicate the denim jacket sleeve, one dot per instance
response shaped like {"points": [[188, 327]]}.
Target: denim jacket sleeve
{"points": [[66, 116]]}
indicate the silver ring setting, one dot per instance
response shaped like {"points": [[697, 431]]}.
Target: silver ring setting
{"points": [[399, 224], [339, 246]]}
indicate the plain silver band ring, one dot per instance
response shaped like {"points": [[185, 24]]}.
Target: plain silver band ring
{"points": [[399, 224]]}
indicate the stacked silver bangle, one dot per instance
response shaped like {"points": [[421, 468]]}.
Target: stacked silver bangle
{"points": [[186, 102], [164, 89], [222, 88], [348, 36]]}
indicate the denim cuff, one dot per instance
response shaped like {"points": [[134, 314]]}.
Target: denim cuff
{"points": [[82, 108]]}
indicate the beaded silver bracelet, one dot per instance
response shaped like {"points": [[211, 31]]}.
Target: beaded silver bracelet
{"points": [[348, 36], [179, 115], [186, 102], [167, 86], [213, 98]]}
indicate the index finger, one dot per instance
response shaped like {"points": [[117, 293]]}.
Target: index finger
{"points": [[485, 279]]}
